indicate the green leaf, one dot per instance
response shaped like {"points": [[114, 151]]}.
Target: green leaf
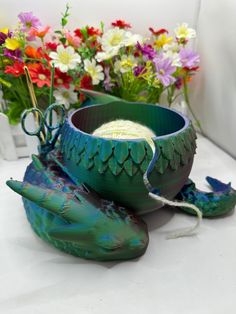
{"points": [[121, 151], [58, 32], [102, 26], [128, 165], [65, 15], [187, 140], [105, 150], [82, 143], [86, 162], [92, 147], [14, 112], [84, 32], [161, 164], [101, 166], [178, 145], [63, 21], [167, 148], [75, 156], [114, 166], [63, 40], [175, 161], [145, 164], [137, 151]]}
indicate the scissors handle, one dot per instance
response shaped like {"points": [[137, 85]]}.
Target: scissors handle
{"points": [[48, 116], [40, 120]]}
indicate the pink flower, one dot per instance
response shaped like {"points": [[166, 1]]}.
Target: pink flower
{"points": [[73, 41]]}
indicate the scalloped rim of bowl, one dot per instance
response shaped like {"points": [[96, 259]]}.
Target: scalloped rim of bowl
{"points": [[185, 119]]}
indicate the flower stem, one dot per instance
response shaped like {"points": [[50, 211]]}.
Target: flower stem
{"points": [[186, 97], [52, 84]]}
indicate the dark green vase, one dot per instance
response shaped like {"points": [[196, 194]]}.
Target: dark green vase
{"points": [[114, 168]]}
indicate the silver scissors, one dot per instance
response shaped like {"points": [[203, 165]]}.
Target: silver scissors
{"points": [[46, 131]]}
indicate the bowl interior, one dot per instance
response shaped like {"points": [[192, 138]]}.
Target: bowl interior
{"points": [[162, 121]]}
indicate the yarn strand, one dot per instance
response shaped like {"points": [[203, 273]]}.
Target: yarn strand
{"points": [[185, 232]]}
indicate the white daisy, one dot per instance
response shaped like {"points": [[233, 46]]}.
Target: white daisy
{"points": [[65, 58], [113, 39], [65, 96], [125, 64], [94, 70], [132, 39], [105, 55], [174, 57], [171, 51], [184, 32]]}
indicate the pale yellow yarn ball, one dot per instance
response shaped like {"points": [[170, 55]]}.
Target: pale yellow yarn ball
{"points": [[125, 129]]}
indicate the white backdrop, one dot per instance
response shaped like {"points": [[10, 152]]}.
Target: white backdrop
{"points": [[214, 92], [156, 13], [215, 88]]}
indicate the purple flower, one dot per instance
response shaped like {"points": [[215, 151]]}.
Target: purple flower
{"points": [[164, 69], [189, 58], [13, 54], [4, 36], [139, 69], [107, 82], [147, 51], [28, 21]]}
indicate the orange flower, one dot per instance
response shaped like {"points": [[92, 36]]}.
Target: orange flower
{"points": [[31, 52], [39, 33]]}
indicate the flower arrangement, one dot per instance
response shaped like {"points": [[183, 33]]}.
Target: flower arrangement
{"points": [[115, 61]]}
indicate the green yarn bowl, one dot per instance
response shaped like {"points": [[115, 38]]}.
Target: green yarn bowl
{"points": [[114, 168]]}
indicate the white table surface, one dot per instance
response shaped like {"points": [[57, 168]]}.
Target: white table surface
{"points": [[187, 275]]}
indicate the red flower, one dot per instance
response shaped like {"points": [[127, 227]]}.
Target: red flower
{"points": [[121, 24], [17, 69], [78, 33], [86, 82], [62, 79], [39, 74], [158, 32], [179, 82], [51, 46], [93, 31], [191, 69], [94, 44]]}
